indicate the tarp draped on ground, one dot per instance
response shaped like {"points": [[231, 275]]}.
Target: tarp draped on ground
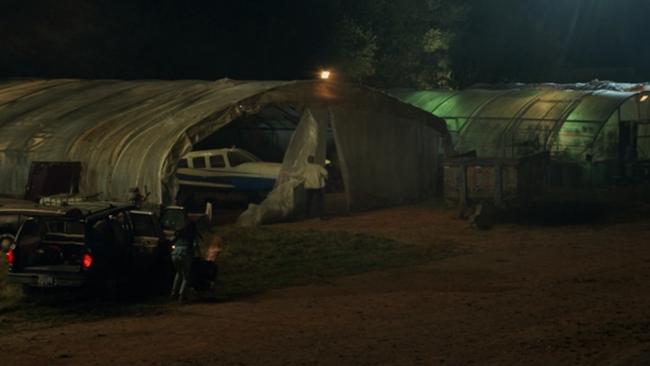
{"points": [[379, 169], [286, 198], [132, 133]]}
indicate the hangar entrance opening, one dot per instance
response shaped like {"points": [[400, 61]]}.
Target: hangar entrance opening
{"points": [[265, 134], [239, 163], [139, 134]]}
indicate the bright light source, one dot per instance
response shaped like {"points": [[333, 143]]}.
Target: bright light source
{"points": [[643, 98], [325, 74]]}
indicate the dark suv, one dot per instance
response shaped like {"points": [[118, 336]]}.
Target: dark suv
{"points": [[9, 224], [92, 245]]}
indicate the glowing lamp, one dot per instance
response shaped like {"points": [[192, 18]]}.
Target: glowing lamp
{"points": [[325, 74], [643, 98]]}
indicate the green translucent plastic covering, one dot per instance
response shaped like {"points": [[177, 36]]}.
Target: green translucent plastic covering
{"points": [[569, 124]]}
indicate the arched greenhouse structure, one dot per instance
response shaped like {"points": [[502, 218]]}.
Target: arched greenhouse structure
{"points": [[589, 134], [129, 134]]}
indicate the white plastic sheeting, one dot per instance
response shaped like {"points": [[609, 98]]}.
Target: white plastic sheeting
{"points": [[386, 159], [132, 133], [287, 197], [125, 133]]}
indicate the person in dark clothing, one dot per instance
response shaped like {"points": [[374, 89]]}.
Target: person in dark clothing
{"points": [[182, 256], [315, 176], [630, 160]]}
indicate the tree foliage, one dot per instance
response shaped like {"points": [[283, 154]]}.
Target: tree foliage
{"points": [[356, 50], [398, 42]]}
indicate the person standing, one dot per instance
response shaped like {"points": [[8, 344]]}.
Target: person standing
{"points": [[315, 176], [182, 257]]}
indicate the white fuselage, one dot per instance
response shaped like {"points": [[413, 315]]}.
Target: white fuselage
{"points": [[227, 170]]}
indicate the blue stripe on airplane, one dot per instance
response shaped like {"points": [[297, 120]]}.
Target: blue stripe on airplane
{"points": [[240, 183]]}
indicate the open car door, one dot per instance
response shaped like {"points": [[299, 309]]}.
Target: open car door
{"points": [[148, 242]]}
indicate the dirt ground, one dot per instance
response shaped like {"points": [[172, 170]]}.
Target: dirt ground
{"points": [[515, 295]]}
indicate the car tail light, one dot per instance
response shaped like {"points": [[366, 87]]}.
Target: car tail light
{"points": [[10, 256], [86, 261]]}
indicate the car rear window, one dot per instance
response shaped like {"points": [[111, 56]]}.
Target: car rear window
{"points": [[33, 228], [143, 225], [66, 227], [74, 227]]}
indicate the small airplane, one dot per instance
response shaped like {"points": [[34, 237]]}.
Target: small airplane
{"points": [[226, 170]]}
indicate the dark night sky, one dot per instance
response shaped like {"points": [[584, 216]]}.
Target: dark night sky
{"points": [[526, 39], [531, 40], [158, 39]]}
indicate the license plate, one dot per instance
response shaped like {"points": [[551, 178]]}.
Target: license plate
{"points": [[46, 281]]}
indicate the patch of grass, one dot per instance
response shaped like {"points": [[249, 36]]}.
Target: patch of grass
{"points": [[256, 260], [252, 261]]}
